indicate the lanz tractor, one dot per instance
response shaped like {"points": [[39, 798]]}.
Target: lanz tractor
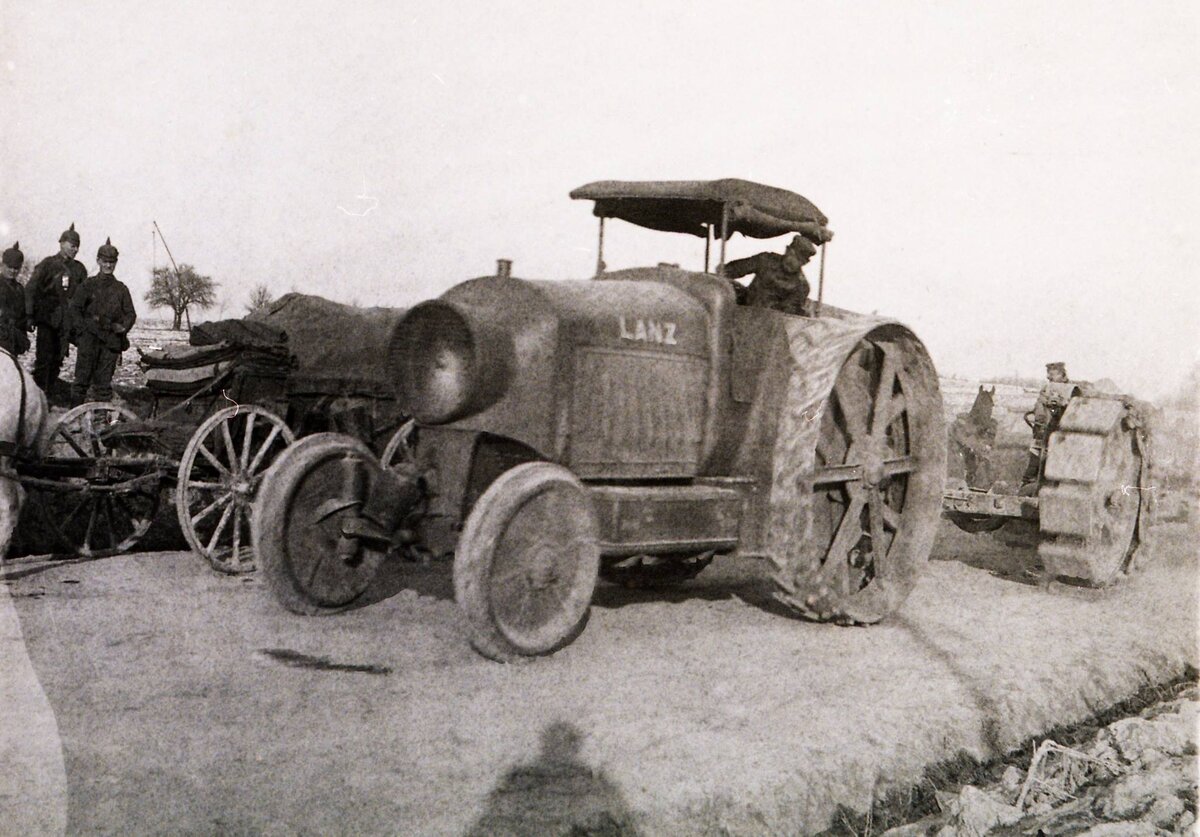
{"points": [[630, 426], [1089, 508]]}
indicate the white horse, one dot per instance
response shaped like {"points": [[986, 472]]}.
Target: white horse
{"points": [[23, 413]]}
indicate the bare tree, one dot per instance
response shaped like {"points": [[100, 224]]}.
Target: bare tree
{"points": [[181, 292], [260, 297]]}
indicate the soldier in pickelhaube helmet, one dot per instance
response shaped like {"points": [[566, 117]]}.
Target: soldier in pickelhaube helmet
{"points": [[48, 296], [13, 323], [103, 314]]}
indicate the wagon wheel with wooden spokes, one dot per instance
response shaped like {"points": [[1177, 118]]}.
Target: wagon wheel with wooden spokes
{"points": [[876, 487], [79, 432], [95, 520], [219, 475], [100, 502]]}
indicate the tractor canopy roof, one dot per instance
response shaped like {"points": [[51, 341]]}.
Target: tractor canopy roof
{"points": [[692, 206]]}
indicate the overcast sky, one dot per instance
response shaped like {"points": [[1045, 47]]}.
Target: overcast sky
{"points": [[1017, 181]]}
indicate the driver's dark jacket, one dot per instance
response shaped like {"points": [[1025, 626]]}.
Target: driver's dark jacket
{"points": [[103, 302], [46, 300], [774, 286]]}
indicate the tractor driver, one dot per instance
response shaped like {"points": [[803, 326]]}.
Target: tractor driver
{"points": [[779, 281], [1047, 410]]}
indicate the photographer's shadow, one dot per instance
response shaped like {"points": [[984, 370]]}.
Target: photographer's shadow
{"points": [[556, 793]]}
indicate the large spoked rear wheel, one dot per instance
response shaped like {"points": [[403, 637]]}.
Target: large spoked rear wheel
{"points": [[305, 498], [527, 561], [876, 487], [219, 474]]}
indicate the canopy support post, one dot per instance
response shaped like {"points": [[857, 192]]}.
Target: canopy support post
{"points": [[724, 236], [821, 280], [600, 249], [707, 244]]}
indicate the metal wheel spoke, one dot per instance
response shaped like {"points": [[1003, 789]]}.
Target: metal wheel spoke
{"points": [[211, 507], [836, 566], [216, 535], [875, 517], [891, 518], [899, 465], [247, 440], [825, 454], [881, 407], [854, 401], [899, 407], [836, 474], [262, 451]]}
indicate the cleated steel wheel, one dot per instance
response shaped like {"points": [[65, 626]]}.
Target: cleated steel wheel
{"points": [[876, 487], [527, 561], [1091, 499], [219, 475], [316, 485]]}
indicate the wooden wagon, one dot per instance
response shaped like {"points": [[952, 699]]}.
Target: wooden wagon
{"points": [[208, 423]]}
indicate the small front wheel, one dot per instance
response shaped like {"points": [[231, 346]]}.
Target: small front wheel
{"points": [[527, 562], [316, 486]]}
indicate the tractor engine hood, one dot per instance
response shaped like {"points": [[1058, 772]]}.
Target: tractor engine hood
{"points": [[529, 359]]}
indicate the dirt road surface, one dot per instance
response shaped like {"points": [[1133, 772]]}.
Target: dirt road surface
{"points": [[189, 702]]}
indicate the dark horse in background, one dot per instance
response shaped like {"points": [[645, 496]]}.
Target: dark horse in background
{"points": [[972, 437]]}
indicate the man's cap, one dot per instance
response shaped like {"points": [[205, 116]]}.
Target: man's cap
{"points": [[70, 235], [802, 247], [13, 257], [107, 252], [1058, 364]]}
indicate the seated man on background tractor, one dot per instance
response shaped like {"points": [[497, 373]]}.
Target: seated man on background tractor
{"points": [[1045, 415]]}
